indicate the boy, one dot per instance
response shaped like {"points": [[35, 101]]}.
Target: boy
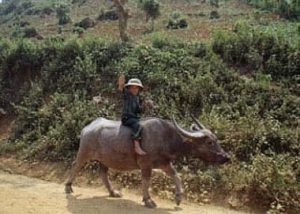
{"points": [[132, 109]]}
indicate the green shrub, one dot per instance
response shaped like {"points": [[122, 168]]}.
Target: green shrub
{"points": [[21, 64], [214, 3], [254, 116], [163, 41], [63, 13], [24, 6], [108, 15], [152, 10], [40, 9], [78, 30], [257, 48], [79, 2], [200, 50], [8, 7], [30, 32], [177, 21], [287, 9], [201, 14], [86, 23], [271, 179], [214, 15], [26, 56]]}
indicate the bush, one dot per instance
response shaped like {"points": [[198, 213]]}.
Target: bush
{"points": [[258, 49], [79, 2], [40, 10], [163, 41], [108, 15], [27, 7], [24, 23], [58, 141], [86, 23], [151, 8], [78, 30], [271, 179], [255, 117], [8, 7], [214, 3], [24, 6], [48, 10], [200, 50], [30, 32], [62, 11], [21, 64], [287, 9], [177, 21], [214, 15]]}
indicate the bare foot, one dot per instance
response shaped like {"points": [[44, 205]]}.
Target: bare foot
{"points": [[137, 148]]}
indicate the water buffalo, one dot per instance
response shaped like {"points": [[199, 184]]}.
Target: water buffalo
{"points": [[109, 143]]}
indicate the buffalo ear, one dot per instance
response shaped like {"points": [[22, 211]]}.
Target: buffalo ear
{"points": [[194, 127]]}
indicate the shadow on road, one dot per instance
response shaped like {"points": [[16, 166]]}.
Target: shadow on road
{"points": [[106, 205]]}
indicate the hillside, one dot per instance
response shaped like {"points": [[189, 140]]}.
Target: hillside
{"points": [[234, 64], [200, 25]]}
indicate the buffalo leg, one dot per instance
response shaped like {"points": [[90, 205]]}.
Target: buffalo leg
{"points": [[107, 183], [76, 167], [146, 176], [170, 171]]}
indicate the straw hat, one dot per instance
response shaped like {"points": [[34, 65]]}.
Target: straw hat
{"points": [[136, 82]]}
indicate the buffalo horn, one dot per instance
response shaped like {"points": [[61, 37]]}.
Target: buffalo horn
{"points": [[190, 135]]}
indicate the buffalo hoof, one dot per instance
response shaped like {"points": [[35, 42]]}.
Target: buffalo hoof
{"points": [[115, 194], [149, 203], [68, 189], [178, 199]]}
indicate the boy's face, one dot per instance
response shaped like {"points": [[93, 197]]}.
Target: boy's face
{"points": [[134, 90]]}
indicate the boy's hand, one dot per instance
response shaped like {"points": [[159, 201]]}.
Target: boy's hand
{"points": [[121, 82]]}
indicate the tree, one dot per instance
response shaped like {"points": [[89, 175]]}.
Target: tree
{"points": [[123, 14], [63, 13], [152, 10]]}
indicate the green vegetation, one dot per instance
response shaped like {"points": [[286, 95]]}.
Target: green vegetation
{"points": [[177, 21], [78, 30], [240, 78], [152, 10], [214, 15], [268, 49], [26, 7], [286, 8], [108, 15], [86, 23], [256, 116], [63, 13]]}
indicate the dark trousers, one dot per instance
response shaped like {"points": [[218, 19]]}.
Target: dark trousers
{"points": [[134, 125]]}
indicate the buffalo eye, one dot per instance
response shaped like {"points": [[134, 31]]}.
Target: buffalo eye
{"points": [[210, 143]]}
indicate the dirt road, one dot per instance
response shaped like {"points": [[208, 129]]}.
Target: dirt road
{"points": [[20, 194]]}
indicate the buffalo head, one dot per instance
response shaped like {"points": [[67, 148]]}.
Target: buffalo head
{"points": [[204, 143]]}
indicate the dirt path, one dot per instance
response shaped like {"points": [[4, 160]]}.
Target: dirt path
{"points": [[21, 194]]}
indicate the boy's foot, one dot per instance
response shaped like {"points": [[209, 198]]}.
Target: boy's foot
{"points": [[138, 149]]}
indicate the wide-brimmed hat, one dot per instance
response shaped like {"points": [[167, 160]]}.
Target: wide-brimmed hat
{"points": [[136, 82]]}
